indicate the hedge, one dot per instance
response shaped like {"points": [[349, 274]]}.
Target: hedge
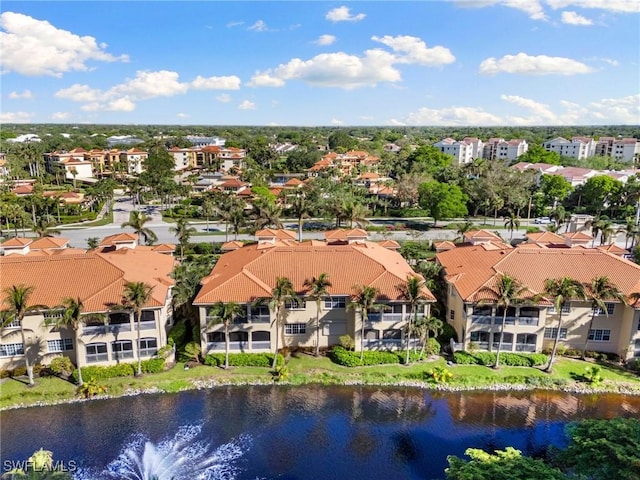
{"points": [[506, 358], [243, 359], [153, 365], [349, 358]]}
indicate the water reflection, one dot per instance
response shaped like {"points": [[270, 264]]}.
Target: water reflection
{"points": [[299, 432]]}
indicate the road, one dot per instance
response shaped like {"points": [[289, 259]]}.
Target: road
{"points": [[78, 235]]}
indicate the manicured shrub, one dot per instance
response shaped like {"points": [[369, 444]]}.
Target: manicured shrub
{"points": [[464, 358], [342, 356], [62, 366], [153, 365], [537, 359], [413, 356], [514, 360], [380, 357], [104, 373], [243, 360], [509, 359], [176, 335], [433, 347], [347, 342], [485, 358], [347, 358]]}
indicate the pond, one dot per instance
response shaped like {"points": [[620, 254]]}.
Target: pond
{"points": [[310, 432]]}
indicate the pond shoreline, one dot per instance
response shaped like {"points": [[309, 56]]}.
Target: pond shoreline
{"points": [[199, 385]]}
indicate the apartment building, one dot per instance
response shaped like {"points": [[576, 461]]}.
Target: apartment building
{"points": [[462, 151], [98, 279], [577, 147], [504, 150], [471, 271], [344, 164], [621, 149], [210, 156], [247, 275]]}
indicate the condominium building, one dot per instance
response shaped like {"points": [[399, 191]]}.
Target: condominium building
{"points": [[462, 151], [110, 331], [621, 149], [577, 147], [247, 275], [472, 273], [504, 150]]}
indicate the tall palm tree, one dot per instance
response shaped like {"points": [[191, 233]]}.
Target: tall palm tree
{"points": [[301, 207], [135, 296], [71, 318], [17, 298], [462, 229], [137, 221], [607, 230], [364, 300], [356, 213], [281, 292], [237, 220], [508, 291], [595, 224], [414, 293], [512, 223], [559, 215], [183, 232], [597, 292], [423, 326], [208, 208], [225, 312], [318, 288], [562, 290], [44, 226], [266, 214]]}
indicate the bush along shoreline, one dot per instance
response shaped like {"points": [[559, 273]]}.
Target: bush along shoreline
{"points": [[467, 371]]}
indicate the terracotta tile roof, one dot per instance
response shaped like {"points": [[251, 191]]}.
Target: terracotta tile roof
{"points": [[233, 183], [98, 279], [22, 190], [444, 245], [344, 234], [276, 233], [48, 242], [481, 235], [249, 273], [118, 238], [233, 245], [390, 244], [294, 182], [544, 237], [369, 175], [55, 251], [469, 268], [17, 242], [613, 249], [578, 236]]}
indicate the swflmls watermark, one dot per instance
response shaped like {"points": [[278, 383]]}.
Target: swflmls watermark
{"points": [[31, 466]]}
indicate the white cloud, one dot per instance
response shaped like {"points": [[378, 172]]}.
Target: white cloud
{"points": [[415, 50], [325, 40], [224, 98], [145, 85], [523, 64], [608, 111], [216, 83], [572, 18], [16, 117], [620, 6], [247, 105], [234, 24], [339, 70], [259, 26], [337, 122], [60, 115], [26, 95], [183, 115], [35, 47], [343, 14], [533, 8]]}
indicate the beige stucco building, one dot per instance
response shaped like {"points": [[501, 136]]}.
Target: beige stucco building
{"points": [[248, 274]]}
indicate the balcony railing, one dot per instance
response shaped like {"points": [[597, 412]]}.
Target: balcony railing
{"points": [[97, 357], [481, 319], [149, 325], [119, 327], [531, 321], [261, 345], [525, 347], [384, 317], [94, 329], [123, 355], [233, 346], [504, 347], [148, 352], [103, 329], [260, 318]]}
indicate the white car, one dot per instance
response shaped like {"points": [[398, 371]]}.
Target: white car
{"points": [[542, 221]]}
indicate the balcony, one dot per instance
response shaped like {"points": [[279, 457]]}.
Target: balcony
{"points": [[525, 347], [103, 329], [504, 347], [260, 318], [149, 325], [233, 346], [384, 317], [261, 345], [481, 319], [529, 321]]}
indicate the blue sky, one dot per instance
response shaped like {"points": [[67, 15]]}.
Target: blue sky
{"points": [[313, 63]]}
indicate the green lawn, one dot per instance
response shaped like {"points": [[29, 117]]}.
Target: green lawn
{"points": [[305, 368]]}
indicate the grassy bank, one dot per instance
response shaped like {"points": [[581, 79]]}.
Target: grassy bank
{"points": [[305, 369]]}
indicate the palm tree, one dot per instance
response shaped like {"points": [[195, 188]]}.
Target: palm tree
{"points": [[356, 213], [236, 219], [364, 299], [225, 312], [599, 290], [462, 229], [183, 232], [43, 227], [208, 208], [607, 230], [266, 214], [318, 288], [507, 291], [423, 326], [71, 318], [596, 224], [282, 291], [414, 293], [301, 207], [136, 295], [17, 297], [512, 223], [137, 221], [562, 290]]}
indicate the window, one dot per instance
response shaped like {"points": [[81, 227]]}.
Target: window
{"points": [[295, 329], [122, 349], [553, 332], [600, 335], [452, 314], [148, 316], [59, 345], [11, 349], [148, 347], [370, 334], [215, 337], [610, 307], [97, 352], [295, 304], [260, 314], [479, 337], [566, 308], [52, 314], [13, 324], [335, 302]]}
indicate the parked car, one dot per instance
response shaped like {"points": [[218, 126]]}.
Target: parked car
{"points": [[542, 221]]}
